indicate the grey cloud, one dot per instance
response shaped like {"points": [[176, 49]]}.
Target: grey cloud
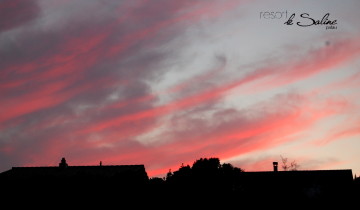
{"points": [[16, 13], [140, 64]]}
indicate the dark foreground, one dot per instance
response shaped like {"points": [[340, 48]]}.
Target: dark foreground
{"points": [[155, 193], [207, 184]]}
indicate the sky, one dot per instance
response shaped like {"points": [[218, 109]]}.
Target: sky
{"points": [[164, 83]]}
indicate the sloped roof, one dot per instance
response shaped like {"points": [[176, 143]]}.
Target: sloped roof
{"points": [[299, 178], [341, 173], [106, 171]]}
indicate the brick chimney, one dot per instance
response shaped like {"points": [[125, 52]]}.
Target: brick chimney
{"points": [[275, 164]]}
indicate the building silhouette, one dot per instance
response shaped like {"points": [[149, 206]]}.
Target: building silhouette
{"points": [[303, 185], [209, 179], [302, 188], [128, 173], [76, 183]]}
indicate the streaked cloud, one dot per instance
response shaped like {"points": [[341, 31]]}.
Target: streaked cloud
{"points": [[130, 82]]}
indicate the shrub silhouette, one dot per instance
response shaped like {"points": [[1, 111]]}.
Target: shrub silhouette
{"points": [[206, 176]]}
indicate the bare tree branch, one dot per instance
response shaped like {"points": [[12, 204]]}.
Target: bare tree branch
{"points": [[292, 167]]}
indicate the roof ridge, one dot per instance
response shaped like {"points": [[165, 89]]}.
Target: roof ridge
{"points": [[77, 166]]}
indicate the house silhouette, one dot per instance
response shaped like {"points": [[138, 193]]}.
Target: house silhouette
{"points": [[76, 182], [309, 185], [128, 173], [302, 188], [122, 182]]}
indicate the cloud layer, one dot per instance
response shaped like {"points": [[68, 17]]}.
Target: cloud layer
{"points": [[89, 80]]}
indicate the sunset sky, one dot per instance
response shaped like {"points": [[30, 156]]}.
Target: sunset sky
{"points": [[165, 82]]}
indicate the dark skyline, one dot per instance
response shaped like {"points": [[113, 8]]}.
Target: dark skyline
{"points": [[205, 178]]}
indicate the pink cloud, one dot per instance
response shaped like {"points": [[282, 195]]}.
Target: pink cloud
{"points": [[316, 62], [41, 96], [345, 130]]}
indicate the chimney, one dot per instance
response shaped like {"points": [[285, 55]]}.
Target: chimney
{"points": [[63, 163], [275, 164]]}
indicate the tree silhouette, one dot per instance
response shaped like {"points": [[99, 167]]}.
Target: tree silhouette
{"points": [[206, 176], [182, 176], [156, 181], [206, 167], [286, 167], [169, 175], [229, 170]]}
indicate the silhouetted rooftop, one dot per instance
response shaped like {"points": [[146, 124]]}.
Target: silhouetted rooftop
{"points": [[318, 176], [74, 171], [130, 172]]}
